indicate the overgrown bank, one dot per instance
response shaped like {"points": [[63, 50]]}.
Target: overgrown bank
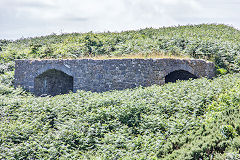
{"points": [[196, 119]]}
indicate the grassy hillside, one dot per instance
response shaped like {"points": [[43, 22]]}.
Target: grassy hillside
{"points": [[197, 119], [219, 43]]}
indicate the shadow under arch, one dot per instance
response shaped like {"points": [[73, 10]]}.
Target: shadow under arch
{"points": [[52, 82], [179, 75]]}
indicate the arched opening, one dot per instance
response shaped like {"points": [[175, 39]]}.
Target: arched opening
{"points": [[179, 75], [52, 82]]}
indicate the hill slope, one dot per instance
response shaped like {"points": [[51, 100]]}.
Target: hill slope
{"points": [[196, 119], [219, 43]]}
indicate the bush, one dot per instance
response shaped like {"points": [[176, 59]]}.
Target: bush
{"points": [[196, 119]]}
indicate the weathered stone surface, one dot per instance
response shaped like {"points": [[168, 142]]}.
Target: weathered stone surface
{"points": [[104, 75]]}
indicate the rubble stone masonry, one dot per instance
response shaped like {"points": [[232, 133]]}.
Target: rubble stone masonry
{"points": [[52, 77]]}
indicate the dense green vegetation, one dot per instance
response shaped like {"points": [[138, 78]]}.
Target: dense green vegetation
{"points": [[196, 119], [219, 43]]}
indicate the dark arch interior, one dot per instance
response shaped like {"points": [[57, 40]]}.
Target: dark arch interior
{"points": [[179, 75], [53, 82]]}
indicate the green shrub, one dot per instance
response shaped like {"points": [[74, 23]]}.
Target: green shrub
{"points": [[228, 131], [215, 42], [197, 119], [221, 71]]}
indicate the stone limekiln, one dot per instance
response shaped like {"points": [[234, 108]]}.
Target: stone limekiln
{"points": [[52, 77]]}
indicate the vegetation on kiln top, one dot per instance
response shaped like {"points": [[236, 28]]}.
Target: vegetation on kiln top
{"points": [[130, 56]]}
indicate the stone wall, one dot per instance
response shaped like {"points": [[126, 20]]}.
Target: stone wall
{"points": [[102, 75]]}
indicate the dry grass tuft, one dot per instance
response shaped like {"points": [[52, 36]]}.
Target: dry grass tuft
{"points": [[137, 56]]}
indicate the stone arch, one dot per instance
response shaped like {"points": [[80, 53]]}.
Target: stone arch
{"points": [[179, 75], [53, 82], [62, 68], [182, 66]]}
